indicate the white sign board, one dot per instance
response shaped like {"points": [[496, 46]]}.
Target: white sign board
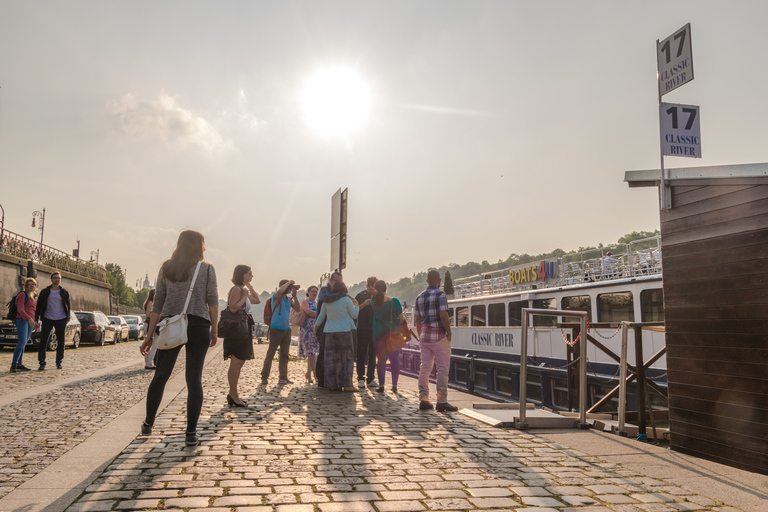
{"points": [[681, 130], [674, 57]]}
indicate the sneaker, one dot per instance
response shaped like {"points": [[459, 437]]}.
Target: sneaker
{"points": [[21, 368], [149, 367], [284, 381], [361, 383], [191, 439], [58, 366], [42, 366], [394, 389], [380, 389], [373, 384], [425, 406], [13, 368], [446, 407], [145, 428]]}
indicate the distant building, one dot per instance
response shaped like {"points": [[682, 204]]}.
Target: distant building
{"points": [[146, 285]]}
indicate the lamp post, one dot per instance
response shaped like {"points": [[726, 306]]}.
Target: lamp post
{"points": [[41, 216], [2, 227]]}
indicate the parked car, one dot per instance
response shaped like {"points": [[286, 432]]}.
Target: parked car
{"points": [[136, 325], [95, 327], [123, 330], [72, 335]]}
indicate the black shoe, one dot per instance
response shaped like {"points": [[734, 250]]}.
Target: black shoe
{"points": [[21, 368], [380, 389], [446, 407], [191, 439], [145, 428], [425, 406], [58, 365], [394, 389], [13, 368], [284, 381], [42, 366], [232, 403]]}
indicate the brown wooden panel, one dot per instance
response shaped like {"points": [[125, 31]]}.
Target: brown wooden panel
{"points": [[709, 217], [714, 367], [727, 206], [716, 256], [750, 434], [678, 391], [716, 293], [720, 312], [728, 407], [730, 456], [725, 270], [721, 244], [705, 325], [738, 355], [722, 382], [688, 340], [682, 196], [711, 444], [743, 225]]}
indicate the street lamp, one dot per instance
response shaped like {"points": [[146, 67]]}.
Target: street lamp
{"points": [[2, 226], [41, 216]]}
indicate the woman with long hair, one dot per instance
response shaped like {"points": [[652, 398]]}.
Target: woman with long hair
{"points": [[308, 345], [387, 317], [239, 350], [339, 354], [173, 283], [25, 322], [149, 359]]}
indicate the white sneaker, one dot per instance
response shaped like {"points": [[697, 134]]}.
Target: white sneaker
{"points": [[373, 384], [361, 384]]}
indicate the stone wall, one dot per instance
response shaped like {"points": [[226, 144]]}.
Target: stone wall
{"points": [[85, 294]]}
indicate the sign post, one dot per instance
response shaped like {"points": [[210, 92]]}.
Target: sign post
{"points": [[674, 68]]}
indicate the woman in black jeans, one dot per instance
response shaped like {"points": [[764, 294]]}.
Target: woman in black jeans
{"points": [[202, 314]]}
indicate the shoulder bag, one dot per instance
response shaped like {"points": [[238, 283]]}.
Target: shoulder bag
{"points": [[298, 317], [395, 339], [234, 325], [172, 331]]}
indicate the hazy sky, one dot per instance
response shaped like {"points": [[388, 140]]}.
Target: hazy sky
{"points": [[494, 126]]}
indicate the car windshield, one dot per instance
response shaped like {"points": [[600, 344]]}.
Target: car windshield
{"points": [[131, 319], [88, 317]]}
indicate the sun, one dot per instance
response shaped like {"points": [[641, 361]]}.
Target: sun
{"points": [[336, 102]]}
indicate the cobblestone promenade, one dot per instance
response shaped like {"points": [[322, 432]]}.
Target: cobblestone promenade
{"points": [[300, 449]]}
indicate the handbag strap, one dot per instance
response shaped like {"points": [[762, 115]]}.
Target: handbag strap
{"points": [[191, 287]]}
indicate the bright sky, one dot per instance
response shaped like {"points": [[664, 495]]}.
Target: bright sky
{"points": [[464, 130]]}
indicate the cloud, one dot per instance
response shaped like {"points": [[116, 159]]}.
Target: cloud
{"points": [[437, 109], [164, 119]]}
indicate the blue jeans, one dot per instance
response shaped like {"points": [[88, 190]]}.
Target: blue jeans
{"points": [[24, 331]]}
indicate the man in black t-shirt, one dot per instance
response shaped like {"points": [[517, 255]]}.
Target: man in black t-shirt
{"points": [[366, 351]]}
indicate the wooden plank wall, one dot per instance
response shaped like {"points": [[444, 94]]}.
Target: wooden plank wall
{"points": [[715, 258]]}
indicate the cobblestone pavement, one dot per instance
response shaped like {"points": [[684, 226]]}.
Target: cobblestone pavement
{"points": [[301, 449], [37, 430]]}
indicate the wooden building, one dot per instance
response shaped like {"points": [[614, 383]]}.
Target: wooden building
{"points": [[715, 260]]}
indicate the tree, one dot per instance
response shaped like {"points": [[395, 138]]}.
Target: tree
{"points": [[116, 278], [448, 283]]}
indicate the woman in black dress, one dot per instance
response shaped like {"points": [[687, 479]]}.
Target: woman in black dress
{"points": [[239, 350]]}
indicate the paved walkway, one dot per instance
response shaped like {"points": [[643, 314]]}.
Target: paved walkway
{"points": [[301, 449]]}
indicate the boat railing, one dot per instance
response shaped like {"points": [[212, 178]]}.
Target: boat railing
{"points": [[608, 263]]}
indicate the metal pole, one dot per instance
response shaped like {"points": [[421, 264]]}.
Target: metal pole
{"points": [[523, 370], [2, 226], [583, 374], [623, 377], [665, 202], [641, 429]]}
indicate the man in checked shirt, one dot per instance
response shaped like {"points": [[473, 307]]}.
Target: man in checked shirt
{"points": [[434, 327]]}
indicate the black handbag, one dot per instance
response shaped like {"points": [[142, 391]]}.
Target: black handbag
{"points": [[234, 325]]}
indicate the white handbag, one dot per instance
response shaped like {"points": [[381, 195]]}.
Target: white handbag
{"points": [[172, 331]]}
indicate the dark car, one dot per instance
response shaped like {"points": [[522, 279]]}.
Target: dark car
{"points": [[95, 327], [72, 335], [123, 330], [136, 326]]}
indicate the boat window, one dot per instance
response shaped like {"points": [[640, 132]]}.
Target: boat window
{"points": [[450, 316], [652, 305], [545, 321], [462, 316], [478, 316], [516, 312], [578, 303], [615, 307], [496, 315]]}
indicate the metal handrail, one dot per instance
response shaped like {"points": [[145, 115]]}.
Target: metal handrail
{"points": [[23, 247]]}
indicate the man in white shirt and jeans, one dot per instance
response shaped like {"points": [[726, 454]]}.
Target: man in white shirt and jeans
{"points": [[53, 308]]}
